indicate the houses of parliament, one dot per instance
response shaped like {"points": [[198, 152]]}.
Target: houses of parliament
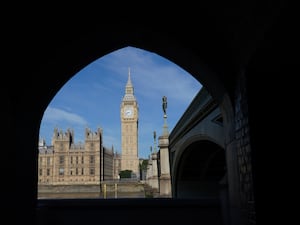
{"points": [[65, 162]]}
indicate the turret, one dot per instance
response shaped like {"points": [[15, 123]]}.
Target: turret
{"points": [[63, 139]]}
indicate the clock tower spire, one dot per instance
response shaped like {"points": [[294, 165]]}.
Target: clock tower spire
{"points": [[129, 129], [129, 90]]}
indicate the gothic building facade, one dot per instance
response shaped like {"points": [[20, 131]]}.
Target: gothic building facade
{"points": [[66, 162]]}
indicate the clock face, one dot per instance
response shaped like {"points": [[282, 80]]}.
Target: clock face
{"points": [[128, 112]]}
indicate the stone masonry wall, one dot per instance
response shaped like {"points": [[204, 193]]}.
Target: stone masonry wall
{"points": [[244, 152]]}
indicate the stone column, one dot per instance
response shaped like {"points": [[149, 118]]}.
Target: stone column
{"points": [[154, 177], [163, 142], [234, 206], [165, 177], [149, 172]]}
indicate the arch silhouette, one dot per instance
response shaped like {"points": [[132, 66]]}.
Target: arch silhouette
{"points": [[212, 57]]}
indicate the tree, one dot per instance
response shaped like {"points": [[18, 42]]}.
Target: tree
{"points": [[144, 164], [143, 169], [125, 173]]}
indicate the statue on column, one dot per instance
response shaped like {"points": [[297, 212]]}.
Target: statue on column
{"points": [[164, 105]]}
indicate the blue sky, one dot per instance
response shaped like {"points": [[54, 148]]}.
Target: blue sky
{"points": [[92, 97]]}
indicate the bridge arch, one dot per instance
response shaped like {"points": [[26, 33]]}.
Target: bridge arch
{"points": [[87, 48], [200, 170], [73, 56], [185, 146]]}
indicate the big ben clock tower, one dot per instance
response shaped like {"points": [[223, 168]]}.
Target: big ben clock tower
{"points": [[129, 129]]}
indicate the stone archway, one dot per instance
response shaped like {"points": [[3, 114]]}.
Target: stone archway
{"points": [[201, 169], [70, 58]]}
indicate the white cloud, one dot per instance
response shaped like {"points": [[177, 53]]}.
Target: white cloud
{"points": [[152, 74], [172, 82], [54, 115]]}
